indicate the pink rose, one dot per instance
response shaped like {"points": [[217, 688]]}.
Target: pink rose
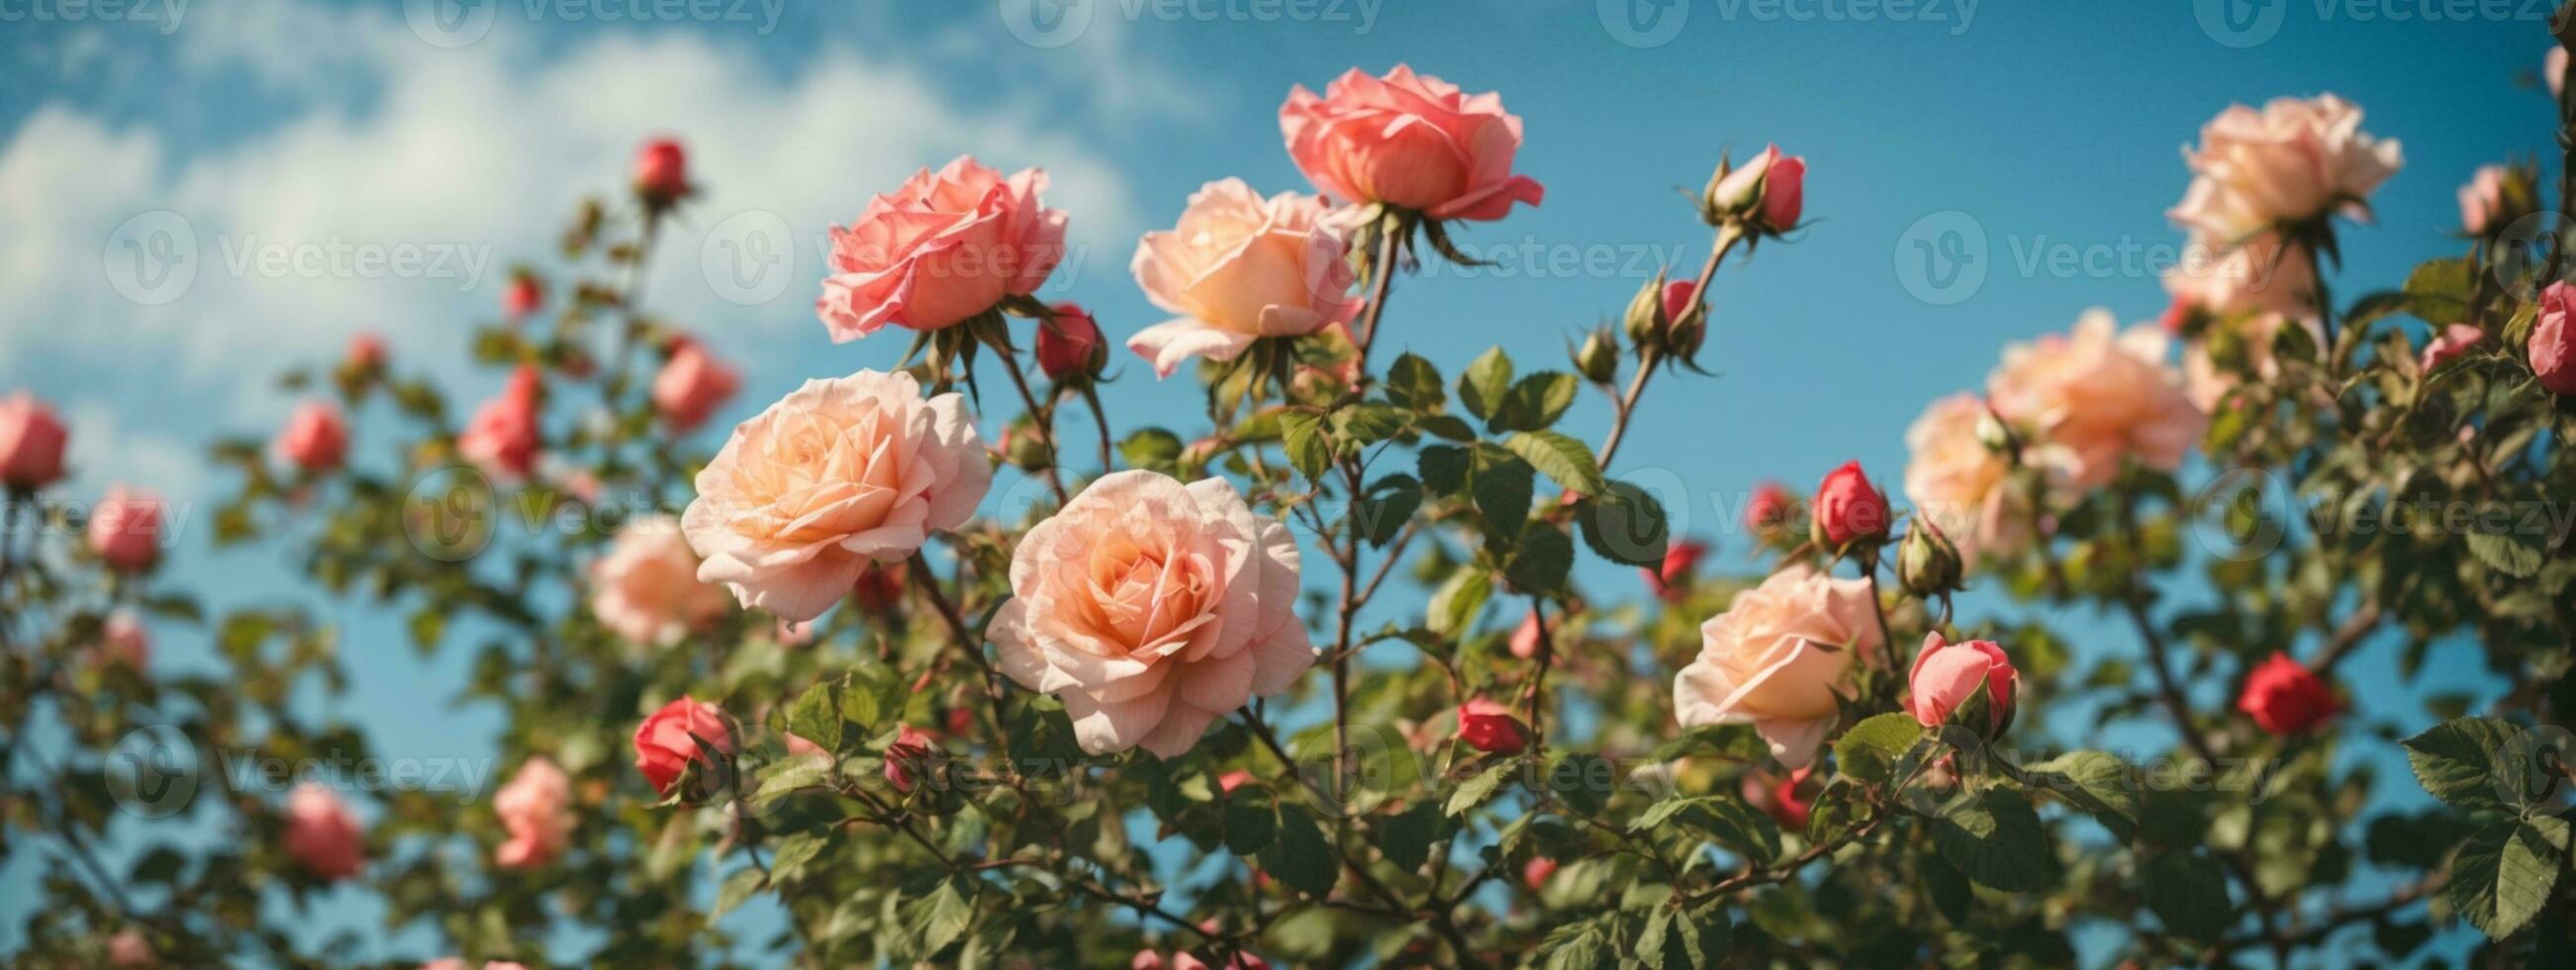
{"points": [[1489, 727], [366, 353], [1956, 480], [647, 590], [1946, 675], [316, 438], [691, 386], [1774, 657], [129, 948], [2094, 398], [125, 529], [668, 740], [2453, 342], [502, 436], [1770, 509], [1069, 343], [536, 809], [2553, 345], [1526, 637], [525, 295], [2294, 161], [945, 247], [2207, 384], [906, 756], [1232, 780], [2257, 275], [661, 171], [128, 641], [1411, 141], [839, 475], [1536, 872], [1672, 581], [31, 443], [1238, 268], [1151, 608], [321, 835], [2553, 69], [2483, 199], [1770, 190]]}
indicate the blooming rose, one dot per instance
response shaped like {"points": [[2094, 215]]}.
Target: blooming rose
{"points": [[525, 295], [906, 755], [1150, 608], [2284, 697], [691, 386], [128, 641], [2095, 397], [647, 590], [536, 809], [31, 443], [1408, 140], [1847, 508], [321, 835], [2553, 345], [1774, 657], [2453, 342], [1946, 675], [2207, 384], [1777, 185], [502, 437], [2261, 274], [838, 475], [1069, 343], [945, 247], [2291, 162], [1237, 268], [1488, 726], [668, 739], [661, 171], [125, 529], [1958, 483], [316, 438]]}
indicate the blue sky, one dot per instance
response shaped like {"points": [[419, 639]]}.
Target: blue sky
{"points": [[2049, 131]]}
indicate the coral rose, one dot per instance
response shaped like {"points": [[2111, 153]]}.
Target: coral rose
{"points": [[1957, 482], [669, 739], [2294, 161], [945, 247], [125, 529], [1408, 140], [501, 437], [1238, 268], [647, 590], [321, 835], [837, 476], [31, 443], [316, 438], [1151, 608], [691, 386], [1774, 657], [2095, 397], [536, 809]]}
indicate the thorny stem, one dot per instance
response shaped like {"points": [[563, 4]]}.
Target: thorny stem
{"points": [[1649, 358], [1042, 418]]}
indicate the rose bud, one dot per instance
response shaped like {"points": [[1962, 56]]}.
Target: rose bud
{"points": [[1770, 509], [1928, 563], [536, 809], [1970, 684], [906, 757], [502, 436], [2284, 697], [1145, 960], [1779, 796], [1490, 727], [691, 386], [2454, 341], [1766, 195], [524, 296], [1649, 322], [1228, 782], [661, 173], [1535, 872], [1598, 359], [1672, 582], [366, 354], [129, 948], [2494, 198], [316, 438], [321, 835], [129, 642], [1849, 509], [1069, 344], [2553, 343], [1022, 447], [1526, 637], [125, 530], [670, 739], [31, 443]]}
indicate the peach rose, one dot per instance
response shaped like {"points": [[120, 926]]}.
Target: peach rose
{"points": [[1774, 657], [943, 248], [2294, 161], [2094, 397], [647, 590], [836, 476], [1408, 140], [1958, 483], [316, 438], [1151, 608], [536, 808], [321, 835], [125, 529], [501, 437], [2258, 275], [669, 739], [31, 443], [691, 386], [2207, 384], [1238, 268]]}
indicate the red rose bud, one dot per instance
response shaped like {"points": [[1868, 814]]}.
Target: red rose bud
{"points": [[1490, 727], [1672, 582], [661, 172], [906, 757], [1849, 509], [366, 354], [524, 296], [1534, 874], [1947, 679], [670, 739], [1069, 344], [2285, 698], [2553, 342], [1769, 511], [1681, 297]]}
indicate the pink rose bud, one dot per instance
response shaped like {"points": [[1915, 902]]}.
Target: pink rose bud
{"points": [[1145, 960], [129, 642], [2482, 201], [1767, 193], [321, 835], [1232, 780], [502, 435], [1411, 141], [536, 809], [1069, 343], [31, 443], [661, 172], [2553, 344], [669, 740], [1680, 298], [2454, 341], [1848, 508], [316, 438], [691, 386], [1769, 511], [1526, 637], [125, 529], [129, 948], [366, 353], [906, 757], [524, 296], [1534, 873], [1948, 675], [1672, 582], [1490, 727], [943, 248], [2284, 697]]}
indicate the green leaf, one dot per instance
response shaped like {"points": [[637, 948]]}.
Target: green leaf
{"points": [[1310, 450], [1474, 791], [1502, 491], [793, 853], [2100, 784], [1299, 856], [872, 696], [1624, 524], [1541, 562], [2188, 892], [1444, 468], [815, 715], [1151, 448], [2514, 553], [1949, 890], [1455, 607], [1996, 841], [941, 919], [1567, 462], [427, 627], [1366, 423], [1536, 402], [2504, 873], [1487, 380], [1406, 838], [737, 888], [1251, 820], [1389, 504], [2455, 760], [1412, 382], [791, 775], [1869, 750]]}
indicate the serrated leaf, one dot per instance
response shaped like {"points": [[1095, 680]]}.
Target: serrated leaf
{"points": [[1309, 449], [2098, 783], [1475, 790], [1389, 504], [1542, 560], [1299, 856], [941, 919], [1413, 382], [793, 853], [2189, 893], [1535, 402], [1366, 423], [1487, 380], [815, 715], [1406, 838], [1502, 490], [1455, 606], [2455, 760], [1251, 820], [1995, 840], [1869, 750], [1444, 468], [1565, 461], [2504, 873], [2514, 554], [793, 774], [1624, 524]]}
